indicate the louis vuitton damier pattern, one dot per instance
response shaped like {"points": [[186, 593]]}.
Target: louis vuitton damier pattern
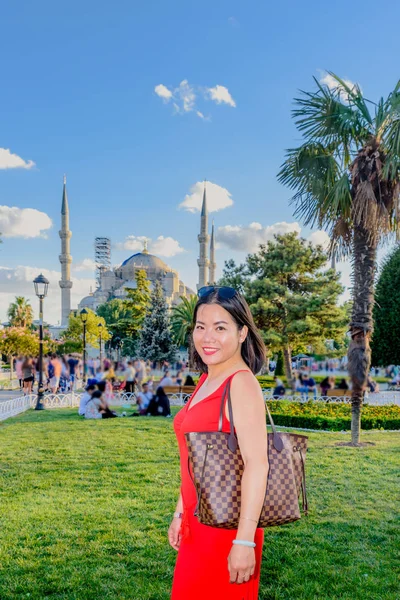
{"points": [[217, 466]]}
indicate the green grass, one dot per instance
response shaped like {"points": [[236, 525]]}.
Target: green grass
{"points": [[85, 508]]}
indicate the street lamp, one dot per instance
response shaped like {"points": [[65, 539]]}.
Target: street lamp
{"points": [[41, 286], [100, 327], [84, 317]]}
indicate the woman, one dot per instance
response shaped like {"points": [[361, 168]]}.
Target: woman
{"points": [[327, 384], [28, 370], [159, 405], [212, 563]]}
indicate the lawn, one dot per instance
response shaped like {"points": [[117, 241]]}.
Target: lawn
{"points": [[85, 508]]}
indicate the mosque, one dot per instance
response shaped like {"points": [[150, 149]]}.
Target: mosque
{"points": [[113, 282]]}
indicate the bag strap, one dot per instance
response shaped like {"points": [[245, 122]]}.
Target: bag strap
{"points": [[232, 440]]}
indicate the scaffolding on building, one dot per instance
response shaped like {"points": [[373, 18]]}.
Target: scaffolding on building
{"points": [[102, 256]]}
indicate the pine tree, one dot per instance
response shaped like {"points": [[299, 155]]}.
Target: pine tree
{"points": [[155, 341], [385, 347]]}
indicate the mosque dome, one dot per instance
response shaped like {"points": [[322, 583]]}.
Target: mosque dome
{"points": [[146, 260]]}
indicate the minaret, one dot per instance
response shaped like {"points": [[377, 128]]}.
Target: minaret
{"points": [[213, 264], [65, 260], [203, 238]]}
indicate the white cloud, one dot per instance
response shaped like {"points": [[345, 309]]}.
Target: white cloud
{"points": [[332, 84], [218, 198], [185, 93], [87, 264], [165, 246], [18, 281], [248, 238], [163, 92], [23, 222], [162, 246], [220, 94], [319, 238], [13, 161], [185, 96]]}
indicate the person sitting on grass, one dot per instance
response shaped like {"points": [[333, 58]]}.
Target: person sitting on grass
{"points": [[159, 405], [106, 411], [94, 406], [189, 381], [89, 389], [144, 398]]}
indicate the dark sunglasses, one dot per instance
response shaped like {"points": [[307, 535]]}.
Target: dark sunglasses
{"points": [[223, 292]]}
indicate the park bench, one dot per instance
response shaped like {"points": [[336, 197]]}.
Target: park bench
{"points": [[179, 392], [339, 393]]}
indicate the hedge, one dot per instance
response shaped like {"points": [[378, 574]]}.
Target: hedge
{"points": [[332, 417], [267, 381]]}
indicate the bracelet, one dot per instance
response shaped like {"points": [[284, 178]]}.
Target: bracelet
{"points": [[178, 515], [244, 543], [248, 519]]}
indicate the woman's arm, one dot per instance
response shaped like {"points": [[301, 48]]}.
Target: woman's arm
{"points": [[179, 505], [249, 419]]}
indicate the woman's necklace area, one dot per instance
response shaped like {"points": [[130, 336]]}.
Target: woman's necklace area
{"points": [[209, 382]]}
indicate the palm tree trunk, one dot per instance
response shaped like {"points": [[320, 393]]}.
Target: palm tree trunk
{"points": [[287, 361], [361, 326]]}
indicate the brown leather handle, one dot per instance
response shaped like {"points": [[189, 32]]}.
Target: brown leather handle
{"points": [[232, 440]]}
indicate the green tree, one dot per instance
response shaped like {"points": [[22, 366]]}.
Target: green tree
{"points": [[20, 313], [293, 300], [345, 176], [233, 275], [15, 341], [136, 303], [155, 342], [182, 320], [117, 317], [385, 346], [74, 331]]}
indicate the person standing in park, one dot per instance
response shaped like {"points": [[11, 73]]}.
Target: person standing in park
{"points": [[56, 370], [72, 365], [213, 563], [28, 370], [129, 378]]}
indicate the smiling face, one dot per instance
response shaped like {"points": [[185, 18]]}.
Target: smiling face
{"points": [[216, 335]]}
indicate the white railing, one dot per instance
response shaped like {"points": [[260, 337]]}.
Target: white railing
{"points": [[15, 406]]}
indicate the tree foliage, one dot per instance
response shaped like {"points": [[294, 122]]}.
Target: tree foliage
{"points": [[136, 303], [20, 312], [385, 341], [182, 320], [15, 341], [294, 301], [74, 331], [156, 343]]}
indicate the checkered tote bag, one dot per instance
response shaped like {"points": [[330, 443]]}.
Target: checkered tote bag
{"points": [[216, 466]]}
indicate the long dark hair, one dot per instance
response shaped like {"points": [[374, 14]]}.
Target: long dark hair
{"points": [[253, 348]]}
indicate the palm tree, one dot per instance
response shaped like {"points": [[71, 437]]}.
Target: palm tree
{"points": [[345, 176], [20, 312], [182, 320]]}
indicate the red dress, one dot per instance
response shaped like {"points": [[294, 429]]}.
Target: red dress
{"points": [[201, 570]]}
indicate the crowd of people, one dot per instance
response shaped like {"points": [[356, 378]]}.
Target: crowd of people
{"points": [[305, 385], [104, 379]]}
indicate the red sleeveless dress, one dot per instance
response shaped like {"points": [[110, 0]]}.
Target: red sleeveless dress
{"points": [[201, 570]]}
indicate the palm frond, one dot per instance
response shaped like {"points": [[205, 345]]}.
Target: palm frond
{"points": [[391, 135], [355, 97], [313, 172], [323, 116]]}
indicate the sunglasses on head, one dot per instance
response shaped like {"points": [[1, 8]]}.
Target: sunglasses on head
{"points": [[223, 292]]}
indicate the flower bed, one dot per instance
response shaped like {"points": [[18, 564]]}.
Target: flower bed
{"points": [[332, 417]]}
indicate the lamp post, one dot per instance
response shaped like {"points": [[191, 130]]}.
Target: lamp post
{"points": [[100, 327], [41, 286], [84, 316]]}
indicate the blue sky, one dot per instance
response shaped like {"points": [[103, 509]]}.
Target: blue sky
{"points": [[78, 97]]}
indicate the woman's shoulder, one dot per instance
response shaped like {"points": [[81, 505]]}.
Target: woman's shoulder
{"points": [[244, 381]]}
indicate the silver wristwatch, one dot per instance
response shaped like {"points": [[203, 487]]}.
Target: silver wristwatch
{"points": [[178, 515]]}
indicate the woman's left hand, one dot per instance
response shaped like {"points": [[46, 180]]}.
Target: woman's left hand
{"points": [[241, 563]]}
